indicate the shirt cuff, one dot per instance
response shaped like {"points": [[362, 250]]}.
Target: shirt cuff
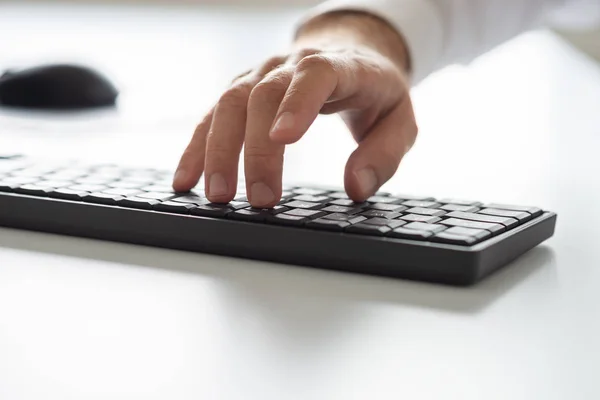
{"points": [[418, 22]]}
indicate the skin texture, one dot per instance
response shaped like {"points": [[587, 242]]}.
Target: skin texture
{"points": [[348, 63]]}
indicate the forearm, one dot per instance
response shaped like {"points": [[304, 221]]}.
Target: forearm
{"points": [[357, 29]]}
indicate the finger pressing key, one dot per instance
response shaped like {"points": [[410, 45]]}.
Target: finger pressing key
{"points": [[263, 157], [226, 135]]}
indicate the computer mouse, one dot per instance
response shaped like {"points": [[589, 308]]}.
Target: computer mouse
{"points": [[57, 87]]}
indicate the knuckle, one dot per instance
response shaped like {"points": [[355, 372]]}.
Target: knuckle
{"points": [[271, 87], [315, 62], [236, 96], [307, 51]]}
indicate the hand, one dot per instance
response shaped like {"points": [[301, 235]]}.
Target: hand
{"points": [[275, 104]]}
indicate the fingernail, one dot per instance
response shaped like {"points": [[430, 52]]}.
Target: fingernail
{"points": [[179, 177], [367, 181], [285, 121], [217, 185], [261, 194]]}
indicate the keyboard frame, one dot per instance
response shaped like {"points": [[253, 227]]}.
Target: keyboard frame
{"points": [[413, 260]]}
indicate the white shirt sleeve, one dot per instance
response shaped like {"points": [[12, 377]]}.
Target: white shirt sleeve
{"points": [[442, 32]]}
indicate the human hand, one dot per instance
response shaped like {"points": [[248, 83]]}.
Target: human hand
{"points": [[274, 105]]}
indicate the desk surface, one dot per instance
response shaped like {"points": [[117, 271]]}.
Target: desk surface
{"points": [[95, 320]]}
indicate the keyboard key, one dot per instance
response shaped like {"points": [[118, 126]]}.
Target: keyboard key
{"points": [[408, 197], [122, 192], [420, 226], [421, 204], [383, 199], [368, 229], [68, 194], [88, 180], [339, 195], [414, 234], [88, 188], [387, 207], [493, 228], [211, 210], [311, 198], [7, 184], [427, 219], [136, 202], [285, 219], [158, 188], [534, 211], [507, 222], [300, 212], [53, 184], [309, 192], [432, 212], [456, 207], [461, 202], [392, 223], [328, 225], [521, 216], [171, 206], [460, 235], [238, 205], [157, 196], [342, 209], [380, 214], [102, 198], [352, 219], [248, 214], [32, 190], [124, 185], [347, 203], [303, 204], [191, 199]]}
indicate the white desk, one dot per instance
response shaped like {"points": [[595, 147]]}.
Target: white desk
{"points": [[83, 319]]}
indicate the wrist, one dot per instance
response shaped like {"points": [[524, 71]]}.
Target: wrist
{"points": [[349, 28]]}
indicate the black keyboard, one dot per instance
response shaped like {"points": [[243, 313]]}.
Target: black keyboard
{"points": [[409, 237]]}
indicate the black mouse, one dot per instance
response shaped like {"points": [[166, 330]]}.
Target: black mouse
{"points": [[57, 87]]}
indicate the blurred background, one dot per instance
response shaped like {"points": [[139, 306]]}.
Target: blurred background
{"points": [[172, 59]]}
